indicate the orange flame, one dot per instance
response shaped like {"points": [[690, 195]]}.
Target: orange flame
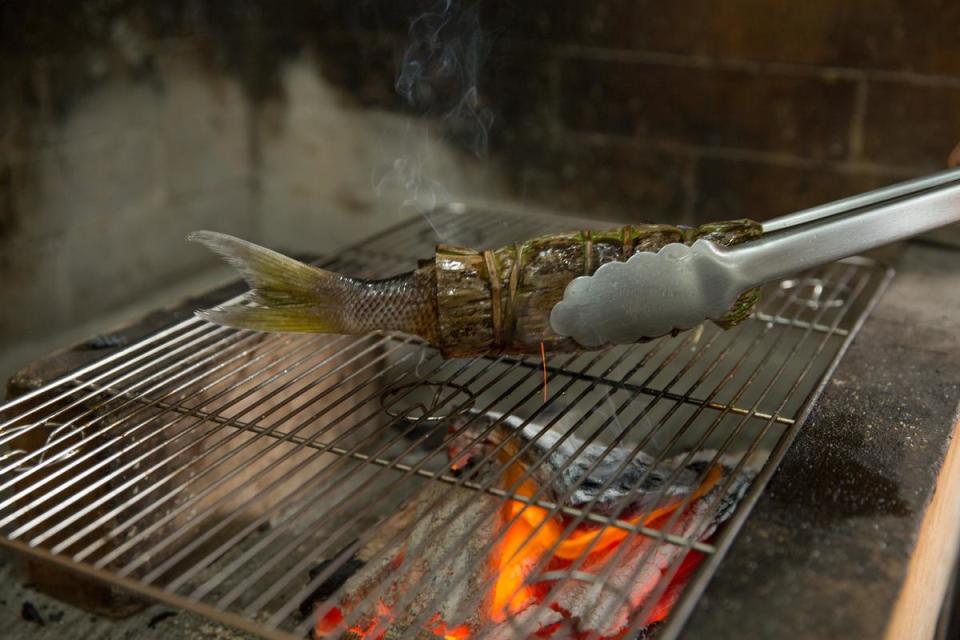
{"points": [[522, 549], [441, 630], [519, 552]]}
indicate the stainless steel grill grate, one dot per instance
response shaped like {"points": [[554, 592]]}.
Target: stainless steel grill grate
{"points": [[235, 474]]}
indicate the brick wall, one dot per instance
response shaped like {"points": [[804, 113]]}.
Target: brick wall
{"points": [[702, 109], [127, 123]]}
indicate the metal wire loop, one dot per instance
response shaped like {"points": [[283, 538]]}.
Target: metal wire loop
{"points": [[429, 411]]}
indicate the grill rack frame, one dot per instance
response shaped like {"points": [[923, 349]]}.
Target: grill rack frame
{"points": [[78, 382]]}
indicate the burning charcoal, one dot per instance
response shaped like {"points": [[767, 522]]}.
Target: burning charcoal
{"points": [[566, 471], [534, 621], [436, 564], [462, 562], [649, 631], [329, 586], [29, 613], [160, 617], [600, 608], [606, 588], [561, 471]]}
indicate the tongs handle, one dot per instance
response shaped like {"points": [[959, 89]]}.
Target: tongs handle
{"points": [[821, 235], [851, 203], [652, 294]]}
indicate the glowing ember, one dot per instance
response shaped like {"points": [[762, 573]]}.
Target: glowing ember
{"points": [[442, 578], [522, 549], [439, 628]]}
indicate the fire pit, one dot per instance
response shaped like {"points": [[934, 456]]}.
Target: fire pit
{"points": [[522, 570], [364, 487]]}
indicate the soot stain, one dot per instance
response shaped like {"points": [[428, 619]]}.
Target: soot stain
{"points": [[832, 475]]}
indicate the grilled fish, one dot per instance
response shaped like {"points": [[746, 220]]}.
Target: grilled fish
{"points": [[462, 301]]}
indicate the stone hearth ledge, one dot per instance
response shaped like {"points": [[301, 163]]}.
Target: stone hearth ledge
{"points": [[826, 550]]}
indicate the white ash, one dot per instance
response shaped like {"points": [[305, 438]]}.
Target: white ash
{"points": [[563, 469]]}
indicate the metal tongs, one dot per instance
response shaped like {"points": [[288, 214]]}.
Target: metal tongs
{"points": [[651, 294]]}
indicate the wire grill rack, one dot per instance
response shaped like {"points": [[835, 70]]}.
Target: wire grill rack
{"points": [[235, 473]]}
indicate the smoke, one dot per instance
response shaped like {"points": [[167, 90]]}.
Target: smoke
{"points": [[441, 67], [438, 80]]}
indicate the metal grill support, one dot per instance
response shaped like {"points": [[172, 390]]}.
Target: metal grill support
{"points": [[234, 473]]}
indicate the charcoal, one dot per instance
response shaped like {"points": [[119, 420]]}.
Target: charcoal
{"points": [[600, 608], [437, 565], [638, 571], [329, 586], [442, 552], [29, 613], [561, 472]]}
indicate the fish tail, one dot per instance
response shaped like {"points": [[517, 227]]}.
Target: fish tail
{"points": [[290, 296]]}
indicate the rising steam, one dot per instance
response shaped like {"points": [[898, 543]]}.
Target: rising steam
{"points": [[438, 79], [441, 66]]}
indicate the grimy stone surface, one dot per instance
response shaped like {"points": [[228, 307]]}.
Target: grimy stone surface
{"points": [[825, 551], [63, 622]]}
